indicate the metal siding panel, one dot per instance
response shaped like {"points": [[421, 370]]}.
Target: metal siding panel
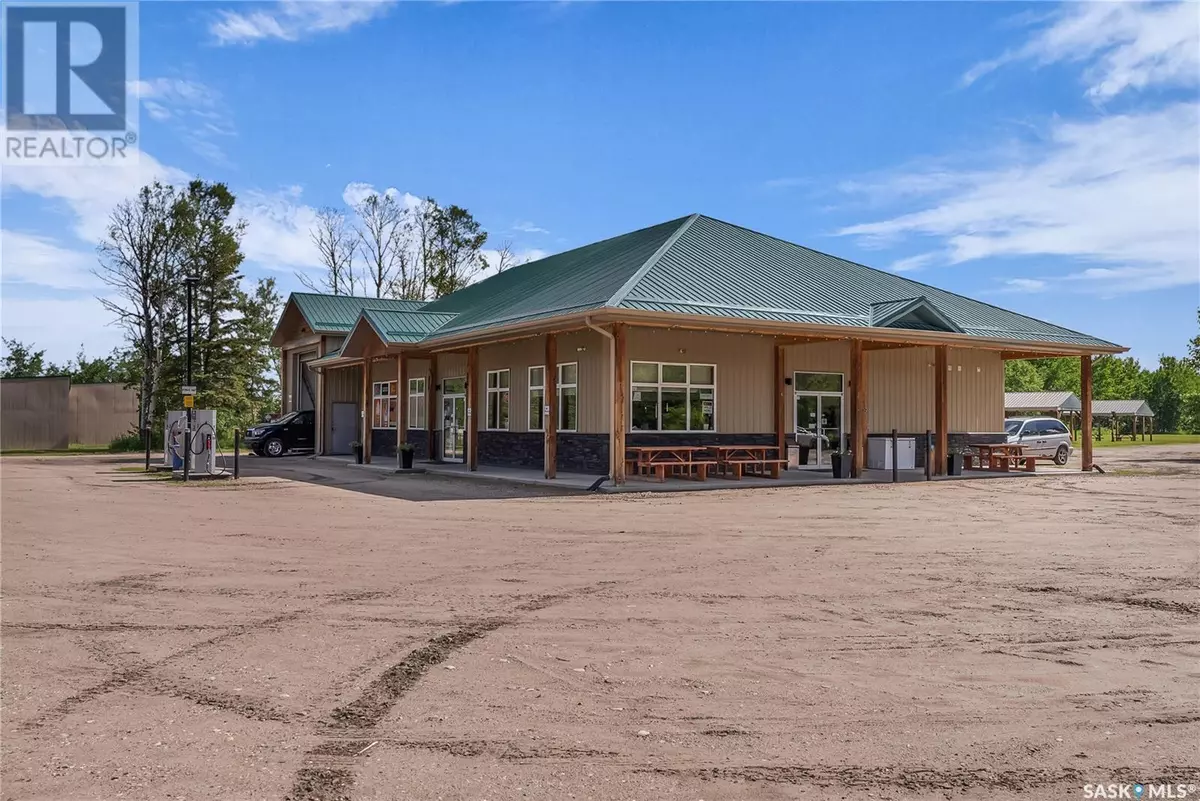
{"points": [[976, 392], [595, 393], [745, 371], [451, 365], [516, 357], [900, 390]]}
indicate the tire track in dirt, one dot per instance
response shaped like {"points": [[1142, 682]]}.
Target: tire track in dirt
{"points": [[1157, 604], [328, 775]]}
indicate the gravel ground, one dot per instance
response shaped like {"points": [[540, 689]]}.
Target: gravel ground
{"points": [[316, 636]]}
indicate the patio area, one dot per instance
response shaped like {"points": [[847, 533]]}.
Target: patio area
{"points": [[584, 482]]}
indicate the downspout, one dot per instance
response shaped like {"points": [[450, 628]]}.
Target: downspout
{"points": [[612, 377]]}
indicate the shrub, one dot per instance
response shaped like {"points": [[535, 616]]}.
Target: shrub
{"points": [[127, 443]]}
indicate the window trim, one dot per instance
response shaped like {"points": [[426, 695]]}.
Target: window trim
{"points": [[558, 391], [841, 375], [687, 386], [422, 407], [389, 394], [487, 399]]}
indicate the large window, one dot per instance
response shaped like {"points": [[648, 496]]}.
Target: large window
{"points": [[568, 397], [383, 404], [416, 403], [673, 397], [497, 400]]}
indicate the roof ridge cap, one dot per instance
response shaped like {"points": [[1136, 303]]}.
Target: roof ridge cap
{"points": [[640, 273]]}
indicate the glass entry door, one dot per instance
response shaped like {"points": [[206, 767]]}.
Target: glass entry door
{"points": [[454, 420], [819, 430]]}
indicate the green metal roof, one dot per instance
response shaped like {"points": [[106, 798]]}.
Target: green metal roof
{"points": [[339, 313], [576, 280], [405, 327], [695, 266], [712, 267]]}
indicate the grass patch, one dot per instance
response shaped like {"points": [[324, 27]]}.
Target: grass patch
{"points": [[1159, 439]]}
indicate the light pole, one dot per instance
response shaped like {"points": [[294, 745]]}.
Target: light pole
{"points": [[189, 283]]}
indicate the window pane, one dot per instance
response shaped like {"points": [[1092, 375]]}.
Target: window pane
{"points": [[393, 414], [674, 373], [568, 374], [377, 413], [643, 411], [702, 410], [818, 382], [503, 408], [416, 385], [454, 386], [702, 374], [537, 376], [491, 379], [674, 410], [536, 402], [568, 409], [645, 372], [502, 379]]}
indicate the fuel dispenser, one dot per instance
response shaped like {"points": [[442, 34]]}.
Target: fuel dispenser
{"points": [[203, 454]]}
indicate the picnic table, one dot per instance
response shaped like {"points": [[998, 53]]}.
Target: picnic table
{"points": [[736, 459], [1000, 457], [683, 460]]}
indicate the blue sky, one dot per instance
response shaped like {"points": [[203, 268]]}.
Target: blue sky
{"points": [[1039, 157]]}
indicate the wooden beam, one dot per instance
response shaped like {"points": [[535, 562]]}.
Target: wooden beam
{"points": [[858, 406], [616, 441], [366, 392], [941, 410], [433, 415], [550, 402], [780, 397], [402, 418], [1085, 392], [473, 387]]}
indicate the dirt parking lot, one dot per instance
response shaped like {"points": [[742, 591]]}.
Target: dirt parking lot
{"points": [[304, 637]]}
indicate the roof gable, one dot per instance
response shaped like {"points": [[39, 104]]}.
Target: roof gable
{"points": [[912, 313], [339, 313]]}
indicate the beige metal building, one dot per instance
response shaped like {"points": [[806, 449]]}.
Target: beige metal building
{"points": [[692, 331]]}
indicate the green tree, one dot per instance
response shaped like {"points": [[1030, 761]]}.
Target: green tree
{"points": [[22, 361], [1194, 345], [1118, 378], [1021, 375], [1174, 382], [456, 252]]}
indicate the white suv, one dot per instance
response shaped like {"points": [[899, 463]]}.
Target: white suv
{"points": [[1041, 436]]}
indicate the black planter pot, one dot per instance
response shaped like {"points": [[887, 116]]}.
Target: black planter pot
{"points": [[358, 454], [841, 465], [802, 454], [406, 459], [954, 464]]}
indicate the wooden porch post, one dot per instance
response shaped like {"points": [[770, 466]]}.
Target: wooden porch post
{"points": [[319, 414], [401, 399], [858, 407], [780, 395], [550, 403], [941, 413], [616, 440], [1085, 389], [366, 392], [432, 412], [472, 407]]}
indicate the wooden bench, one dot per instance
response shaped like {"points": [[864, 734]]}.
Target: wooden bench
{"points": [[684, 461], [738, 466]]}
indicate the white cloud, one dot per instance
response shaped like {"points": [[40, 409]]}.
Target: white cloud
{"points": [[293, 20], [1025, 285], [1126, 46], [196, 113], [912, 263], [357, 191], [78, 321], [89, 194], [1119, 190], [526, 227], [39, 260], [278, 227]]}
